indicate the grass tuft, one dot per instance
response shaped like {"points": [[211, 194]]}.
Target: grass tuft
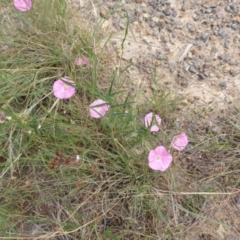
{"points": [[110, 193]]}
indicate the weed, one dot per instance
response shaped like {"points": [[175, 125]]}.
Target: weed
{"points": [[65, 175]]}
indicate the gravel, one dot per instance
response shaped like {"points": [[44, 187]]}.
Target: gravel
{"points": [[223, 85], [192, 69], [211, 29]]}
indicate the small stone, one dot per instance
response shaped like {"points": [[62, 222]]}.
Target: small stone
{"points": [[122, 25], [169, 28], [221, 56], [198, 36], [206, 65], [213, 50], [205, 37], [155, 19], [234, 26], [196, 43], [236, 18], [231, 237], [145, 17], [178, 24], [212, 75], [220, 31], [174, 35], [224, 58], [226, 69], [235, 9], [124, 8], [174, 13], [145, 10], [132, 18], [191, 100], [225, 34], [163, 39], [231, 62], [161, 56], [138, 12], [201, 77], [223, 85], [184, 83], [214, 10], [155, 33], [166, 64], [104, 12], [167, 12], [190, 55], [227, 45], [152, 24], [167, 2], [228, 8], [183, 8], [195, 62], [182, 74], [211, 20], [161, 15], [161, 24], [198, 12], [185, 66], [138, 1], [190, 27], [146, 39], [208, 10], [233, 73], [195, 17], [216, 32], [206, 74], [192, 69], [143, 5]]}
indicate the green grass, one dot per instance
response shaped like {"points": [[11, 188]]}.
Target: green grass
{"points": [[111, 193]]}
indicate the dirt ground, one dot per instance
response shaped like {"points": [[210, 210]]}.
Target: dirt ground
{"points": [[191, 58], [194, 46]]}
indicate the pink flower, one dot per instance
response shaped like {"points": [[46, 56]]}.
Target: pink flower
{"points": [[77, 159], [23, 5], [98, 108], [62, 90], [81, 61], [5, 47], [159, 159], [180, 141], [150, 119], [2, 117]]}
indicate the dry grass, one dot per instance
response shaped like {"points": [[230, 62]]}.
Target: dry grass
{"points": [[111, 193]]}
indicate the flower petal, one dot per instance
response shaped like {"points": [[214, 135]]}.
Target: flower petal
{"points": [[81, 61], [98, 108], [180, 141], [149, 119], [159, 159], [62, 90], [154, 128], [166, 161], [23, 5], [152, 156]]}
